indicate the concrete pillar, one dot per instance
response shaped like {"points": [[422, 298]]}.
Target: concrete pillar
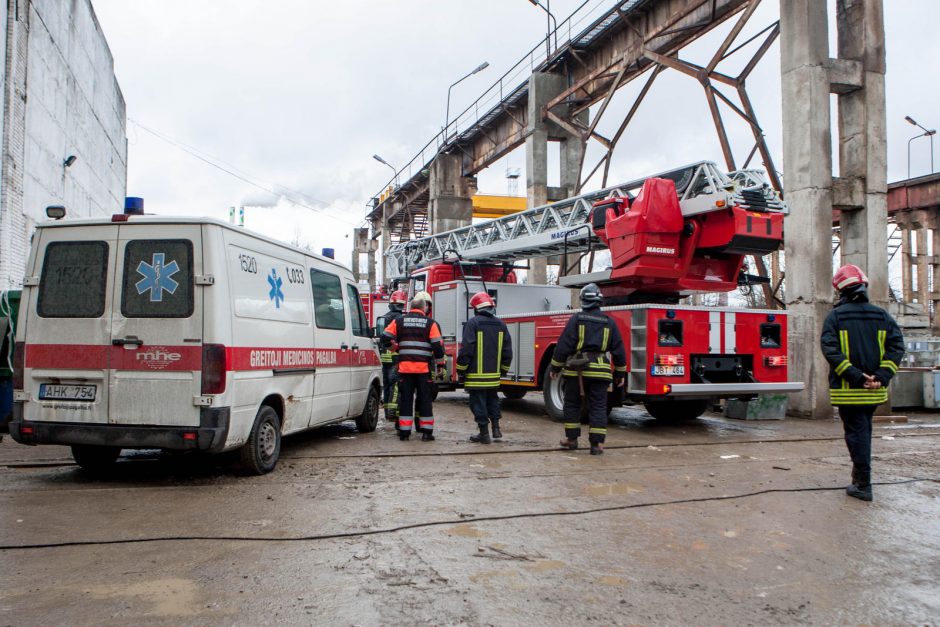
{"points": [[935, 274], [907, 287], [863, 141], [923, 282], [542, 88], [807, 162], [451, 194]]}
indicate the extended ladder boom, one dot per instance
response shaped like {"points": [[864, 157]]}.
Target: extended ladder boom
{"points": [[564, 226]]}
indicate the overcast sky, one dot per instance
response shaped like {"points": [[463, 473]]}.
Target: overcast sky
{"points": [[297, 96]]}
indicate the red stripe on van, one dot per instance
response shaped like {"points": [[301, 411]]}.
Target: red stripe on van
{"points": [[189, 357]]}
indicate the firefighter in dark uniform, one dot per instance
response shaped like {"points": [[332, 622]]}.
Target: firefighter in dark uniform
{"points": [[581, 357], [864, 348], [420, 347], [485, 355], [389, 357]]}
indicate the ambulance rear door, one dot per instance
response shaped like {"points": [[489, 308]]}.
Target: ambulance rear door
{"points": [[67, 324], [157, 325]]}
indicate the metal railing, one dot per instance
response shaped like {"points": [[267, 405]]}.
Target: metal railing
{"points": [[584, 24]]}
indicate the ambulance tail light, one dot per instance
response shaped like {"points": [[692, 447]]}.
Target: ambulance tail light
{"points": [[214, 368], [669, 360], [19, 361], [777, 361]]}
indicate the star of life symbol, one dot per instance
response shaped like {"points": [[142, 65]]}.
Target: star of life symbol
{"points": [[275, 294], [157, 277]]}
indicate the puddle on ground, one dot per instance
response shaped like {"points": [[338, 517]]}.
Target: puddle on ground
{"points": [[612, 489], [542, 565], [611, 580], [465, 531]]}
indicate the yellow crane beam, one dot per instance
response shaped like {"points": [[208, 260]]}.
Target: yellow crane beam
{"points": [[493, 206]]}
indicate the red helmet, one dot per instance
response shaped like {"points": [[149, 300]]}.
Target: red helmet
{"points": [[481, 299], [848, 276], [398, 297]]}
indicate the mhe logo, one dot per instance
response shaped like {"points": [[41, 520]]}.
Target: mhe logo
{"points": [[158, 357], [661, 250]]}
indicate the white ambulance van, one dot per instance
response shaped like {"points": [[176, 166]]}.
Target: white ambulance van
{"points": [[185, 334]]}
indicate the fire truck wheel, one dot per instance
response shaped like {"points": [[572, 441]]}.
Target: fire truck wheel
{"points": [[676, 411], [95, 459], [259, 455], [369, 419], [554, 395], [512, 392]]}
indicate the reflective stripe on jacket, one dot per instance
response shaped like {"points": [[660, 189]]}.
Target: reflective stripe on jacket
{"points": [[860, 339], [485, 351], [388, 356], [419, 342], [594, 334]]}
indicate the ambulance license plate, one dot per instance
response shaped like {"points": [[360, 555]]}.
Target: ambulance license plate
{"points": [[53, 392], [668, 371]]}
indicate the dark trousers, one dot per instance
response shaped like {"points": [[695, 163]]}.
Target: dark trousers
{"points": [[856, 421], [409, 387], [389, 379], [595, 392], [485, 406]]}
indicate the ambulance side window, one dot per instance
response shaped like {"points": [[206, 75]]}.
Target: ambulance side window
{"points": [[158, 279], [327, 300], [73, 281], [356, 314]]}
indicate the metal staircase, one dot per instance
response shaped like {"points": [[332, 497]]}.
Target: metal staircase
{"points": [[564, 226]]}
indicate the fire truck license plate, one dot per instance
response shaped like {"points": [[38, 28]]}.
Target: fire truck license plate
{"points": [[668, 371], [50, 392]]}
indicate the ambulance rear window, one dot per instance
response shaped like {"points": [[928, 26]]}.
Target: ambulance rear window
{"points": [[158, 279], [73, 281], [327, 300]]}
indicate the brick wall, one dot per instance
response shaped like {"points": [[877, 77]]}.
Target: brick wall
{"points": [[57, 56]]}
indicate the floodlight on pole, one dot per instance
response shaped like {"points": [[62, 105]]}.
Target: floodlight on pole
{"points": [[383, 161], [478, 68]]}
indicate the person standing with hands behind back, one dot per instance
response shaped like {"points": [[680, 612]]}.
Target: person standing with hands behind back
{"points": [[485, 356], [864, 348], [581, 357]]}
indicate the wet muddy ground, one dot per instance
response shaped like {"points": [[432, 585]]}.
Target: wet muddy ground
{"points": [[709, 522]]}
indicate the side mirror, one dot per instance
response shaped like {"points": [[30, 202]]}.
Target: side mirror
{"points": [[371, 332]]}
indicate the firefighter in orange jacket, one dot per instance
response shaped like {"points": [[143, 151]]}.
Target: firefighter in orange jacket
{"points": [[419, 344]]}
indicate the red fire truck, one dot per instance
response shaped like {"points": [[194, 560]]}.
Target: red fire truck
{"points": [[672, 235]]}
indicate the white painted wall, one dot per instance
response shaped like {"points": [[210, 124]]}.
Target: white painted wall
{"points": [[74, 106]]}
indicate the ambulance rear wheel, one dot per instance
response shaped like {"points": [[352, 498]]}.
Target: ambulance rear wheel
{"points": [[676, 411], [260, 454], [95, 459], [369, 419]]}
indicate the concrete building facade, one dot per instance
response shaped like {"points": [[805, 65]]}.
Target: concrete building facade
{"points": [[60, 100]]}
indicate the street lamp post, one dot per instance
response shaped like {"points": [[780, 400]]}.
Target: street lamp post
{"points": [[383, 161], [549, 19], [926, 133], [478, 68]]}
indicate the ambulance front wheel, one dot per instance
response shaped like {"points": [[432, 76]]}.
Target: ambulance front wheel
{"points": [[367, 421], [95, 459], [260, 454]]}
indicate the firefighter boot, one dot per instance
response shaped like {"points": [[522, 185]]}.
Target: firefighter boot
{"points": [[862, 491], [854, 476], [427, 435], [569, 444], [497, 434], [597, 449], [483, 437]]}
